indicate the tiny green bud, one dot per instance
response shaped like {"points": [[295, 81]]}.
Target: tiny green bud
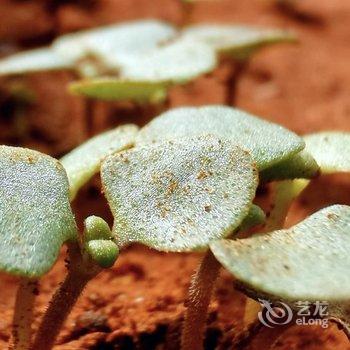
{"points": [[96, 229], [103, 252], [255, 217]]}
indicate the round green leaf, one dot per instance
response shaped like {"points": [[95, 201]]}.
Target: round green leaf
{"points": [[138, 51], [112, 89], [178, 61], [331, 150], [116, 40], [268, 143], [84, 161], [236, 41], [300, 166], [33, 61], [147, 77], [309, 261], [35, 216], [179, 195]]}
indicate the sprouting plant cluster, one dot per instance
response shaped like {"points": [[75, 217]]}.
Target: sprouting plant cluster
{"points": [[141, 60], [185, 182]]}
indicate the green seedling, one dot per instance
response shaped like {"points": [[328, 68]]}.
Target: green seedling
{"points": [[309, 262], [142, 68], [235, 44], [185, 182], [329, 149], [269, 145], [36, 219]]}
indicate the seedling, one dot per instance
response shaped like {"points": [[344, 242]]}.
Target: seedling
{"points": [[235, 45], [36, 219], [269, 145], [137, 61], [141, 61], [229, 42], [185, 182], [154, 57]]}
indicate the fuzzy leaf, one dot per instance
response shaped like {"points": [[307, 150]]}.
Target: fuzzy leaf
{"points": [[121, 90], [331, 150], [236, 41], [35, 216], [33, 61], [309, 261], [116, 40], [84, 161], [147, 77], [268, 143], [300, 166], [179, 195], [178, 61]]}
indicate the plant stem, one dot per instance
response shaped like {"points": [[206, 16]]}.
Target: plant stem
{"points": [[89, 115], [200, 292], [80, 272], [236, 68], [187, 12], [23, 315], [285, 193]]}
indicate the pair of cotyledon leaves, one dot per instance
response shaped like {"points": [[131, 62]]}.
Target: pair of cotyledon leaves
{"points": [[140, 60], [186, 184], [308, 262], [267, 143]]}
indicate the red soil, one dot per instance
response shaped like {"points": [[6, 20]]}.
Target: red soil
{"points": [[139, 303]]}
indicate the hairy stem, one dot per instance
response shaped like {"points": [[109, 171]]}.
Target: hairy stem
{"points": [[200, 291], [80, 272], [23, 315], [285, 192]]}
